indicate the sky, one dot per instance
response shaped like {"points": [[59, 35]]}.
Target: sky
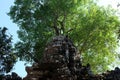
{"points": [[5, 21]]}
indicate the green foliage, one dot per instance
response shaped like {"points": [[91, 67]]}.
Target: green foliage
{"points": [[7, 58], [92, 28], [95, 33]]}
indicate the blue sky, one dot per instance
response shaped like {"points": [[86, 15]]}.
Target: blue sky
{"points": [[5, 19], [12, 28]]}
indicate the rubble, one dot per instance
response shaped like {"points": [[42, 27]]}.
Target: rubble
{"points": [[61, 61]]}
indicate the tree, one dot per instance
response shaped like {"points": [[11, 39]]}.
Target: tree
{"points": [[92, 28], [7, 58]]}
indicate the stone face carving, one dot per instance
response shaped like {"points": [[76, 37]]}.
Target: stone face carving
{"points": [[61, 61]]}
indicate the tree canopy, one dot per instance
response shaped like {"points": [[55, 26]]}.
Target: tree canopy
{"points": [[7, 58], [93, 29]]}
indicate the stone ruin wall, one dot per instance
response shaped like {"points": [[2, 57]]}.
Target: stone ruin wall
{"points": [[61, 61]]}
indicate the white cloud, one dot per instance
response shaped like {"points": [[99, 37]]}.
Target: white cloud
{"points": [[105, 3]]}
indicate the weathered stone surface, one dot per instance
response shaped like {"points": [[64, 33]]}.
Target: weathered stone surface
{"points": [[59, 61], [112, 75], [62, 62]]}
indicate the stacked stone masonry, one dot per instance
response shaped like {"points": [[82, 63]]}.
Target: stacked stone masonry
{"points": [[61, 61]]}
